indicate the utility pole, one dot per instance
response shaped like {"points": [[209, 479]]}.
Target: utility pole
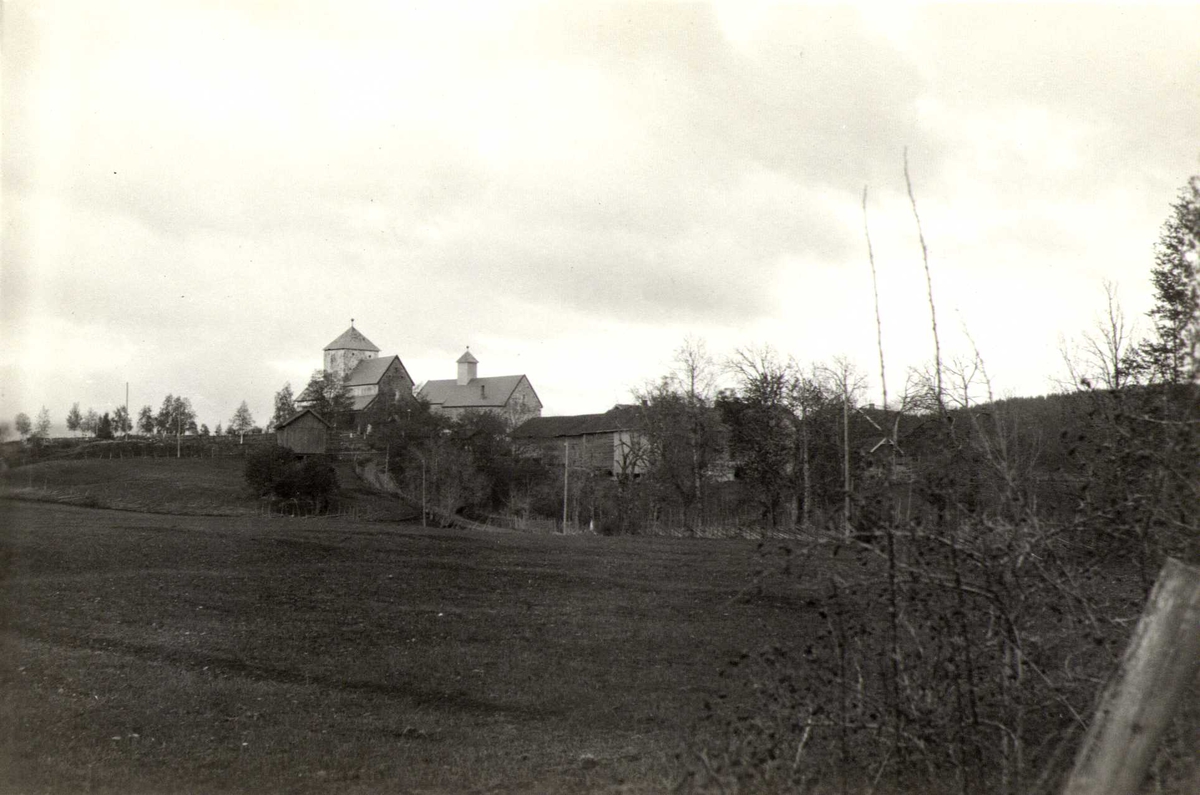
{"points": [[178, 431], [423, 491], [566, 478], [128, 421], [846, 452]]}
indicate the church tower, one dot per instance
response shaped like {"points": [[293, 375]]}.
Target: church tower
{"points": [[344, 353]]}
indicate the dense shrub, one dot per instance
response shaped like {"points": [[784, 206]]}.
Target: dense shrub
{"points": [[266, 466], [313, 479], [275, 471]]}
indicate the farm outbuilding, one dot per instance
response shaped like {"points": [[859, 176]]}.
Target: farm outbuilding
{"points": [[612, 443], [306, 433]]}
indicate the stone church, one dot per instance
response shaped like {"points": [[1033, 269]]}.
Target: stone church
{"points": [[355, 360]]}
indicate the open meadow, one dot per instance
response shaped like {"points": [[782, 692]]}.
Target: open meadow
{"points": [[185, 485], [162, 635], [154, 653], [192, 485]]}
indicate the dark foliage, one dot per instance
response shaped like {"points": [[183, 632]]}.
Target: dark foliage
{"points": [[1004, 551], [1170, 356], [464, 466], [762, 437], [104, 427], [266, 466], [174, 416], [285, 405], [326, 395], [276, 472]]}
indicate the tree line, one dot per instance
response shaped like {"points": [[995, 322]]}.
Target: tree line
{"points": [[975, 589], [175, 417], [762, 440]]}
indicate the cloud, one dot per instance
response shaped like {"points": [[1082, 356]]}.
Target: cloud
{"points": [[225, 188]]}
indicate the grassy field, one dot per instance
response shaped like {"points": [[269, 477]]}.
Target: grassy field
{"points": [[188, 643], [195, 486], [158, 653], [188, 485]]}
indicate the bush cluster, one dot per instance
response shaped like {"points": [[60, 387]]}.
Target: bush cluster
{"points": [[276, 472]]}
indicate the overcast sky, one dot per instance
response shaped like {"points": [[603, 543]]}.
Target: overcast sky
{"points": [[197, 200]]}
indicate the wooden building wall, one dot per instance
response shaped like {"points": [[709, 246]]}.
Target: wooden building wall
{"points": [[594, 451], [307, 436]]}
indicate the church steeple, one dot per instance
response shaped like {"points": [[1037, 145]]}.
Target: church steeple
{"points": [[344, 353]]}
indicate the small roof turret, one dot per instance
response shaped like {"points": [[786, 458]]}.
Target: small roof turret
{"points": [[468, 358]]}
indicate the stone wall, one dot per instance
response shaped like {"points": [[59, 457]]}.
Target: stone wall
{"points": [[522, 405], [396, 384], [342, 362]]}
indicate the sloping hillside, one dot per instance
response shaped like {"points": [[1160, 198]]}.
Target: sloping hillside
{"points": [[197, 486]]}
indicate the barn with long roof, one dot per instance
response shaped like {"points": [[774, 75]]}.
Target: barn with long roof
{"points": [[510, 396]]}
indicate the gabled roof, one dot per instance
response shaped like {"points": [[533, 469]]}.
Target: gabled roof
{"points": [[478, 393], [467, 358], [370, 371], [618, 418], [352, 340], [300, 414], [360, 402]]}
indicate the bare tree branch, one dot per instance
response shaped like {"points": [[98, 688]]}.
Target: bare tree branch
{"points": [[937, 348]]}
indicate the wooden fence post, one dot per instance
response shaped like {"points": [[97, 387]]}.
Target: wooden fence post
{"points": [[1158, 666]]}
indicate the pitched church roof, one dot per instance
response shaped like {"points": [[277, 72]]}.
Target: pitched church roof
{"points": [[478, 393], [369, 371], [353, 340], [467, 358]]}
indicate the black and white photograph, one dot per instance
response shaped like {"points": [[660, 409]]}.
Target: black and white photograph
{"points": [[704, 398]]}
